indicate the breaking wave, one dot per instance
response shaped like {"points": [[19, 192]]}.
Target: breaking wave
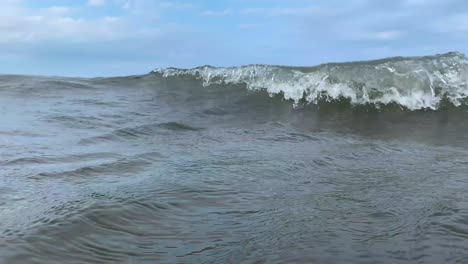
{"points": [[411, 82]]}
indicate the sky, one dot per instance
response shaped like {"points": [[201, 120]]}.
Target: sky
{"points": [[122, 37]]}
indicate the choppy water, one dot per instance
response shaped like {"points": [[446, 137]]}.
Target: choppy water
{"points": [[159, 168]]}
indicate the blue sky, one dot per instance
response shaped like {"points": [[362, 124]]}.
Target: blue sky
{"points": [[122, 37]]}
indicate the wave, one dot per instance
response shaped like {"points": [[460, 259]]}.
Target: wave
{"points": [[146, 130], [411, 82]]}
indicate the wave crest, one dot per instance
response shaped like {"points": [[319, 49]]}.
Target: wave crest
{"points": [[412, 82]]}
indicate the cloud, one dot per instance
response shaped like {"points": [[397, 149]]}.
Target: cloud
{"points": [[287, 11], [56, 11], [35, 28], [22, 25], [175, 33], [225, 12], [96, 2], [416, 3], [388, 35], [152, 6]]}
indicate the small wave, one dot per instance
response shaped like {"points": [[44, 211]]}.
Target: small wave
{"points": [[177, 126], [139, 131], [79, 122], [411, 82], [37, 160], [117, 168]]}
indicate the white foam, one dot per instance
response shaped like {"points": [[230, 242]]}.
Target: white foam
{"points": [[415, 83]]}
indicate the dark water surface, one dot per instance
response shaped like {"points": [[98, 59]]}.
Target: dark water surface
{"points": [[151, 170]]}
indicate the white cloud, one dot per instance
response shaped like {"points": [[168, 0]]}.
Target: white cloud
{"points": [[420, 3], [35, 28], [143, 6], [388, 35], [279, 31], [287, 12], [354, 33], [56, 10], [414, 2], [225, 12], [22, 25], [96, 2]]}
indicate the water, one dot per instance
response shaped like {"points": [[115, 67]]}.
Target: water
{"points": [[214, 165]]}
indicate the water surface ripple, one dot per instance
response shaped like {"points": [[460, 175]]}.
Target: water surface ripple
{"points": [[150, 170]]}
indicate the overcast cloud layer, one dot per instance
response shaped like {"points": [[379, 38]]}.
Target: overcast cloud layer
{"points": [[121, 37]]}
